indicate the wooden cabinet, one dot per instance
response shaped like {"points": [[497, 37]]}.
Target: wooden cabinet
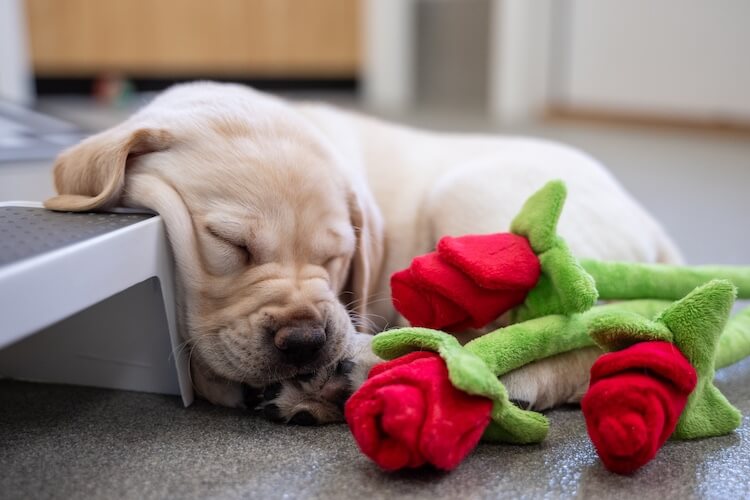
{"points": [[240, 38]]}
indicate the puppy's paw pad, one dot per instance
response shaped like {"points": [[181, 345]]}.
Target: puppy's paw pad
{"points": [[303, 417], [273, 413], [524, 405]]}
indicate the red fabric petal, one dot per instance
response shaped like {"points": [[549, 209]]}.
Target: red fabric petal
{"points": [[663, 359], [634, 402], [480, 305], [400, 416], [469, 282], [501, 261], [421, 305], [408, 413]]}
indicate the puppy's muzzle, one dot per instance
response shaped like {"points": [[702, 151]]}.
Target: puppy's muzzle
{"points": [[300, 343]]}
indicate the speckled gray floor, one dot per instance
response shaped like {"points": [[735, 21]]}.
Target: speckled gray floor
{"points": [[73, 442]]}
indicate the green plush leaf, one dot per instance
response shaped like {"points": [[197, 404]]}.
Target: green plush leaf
{"points": [[395, 343], [574, 286], [696, 322], [564, 287], [472, 375], [537, 220], [708, 413], [618, 329]]}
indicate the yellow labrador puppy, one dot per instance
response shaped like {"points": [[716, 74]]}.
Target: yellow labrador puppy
{"points": [[286, 221]]}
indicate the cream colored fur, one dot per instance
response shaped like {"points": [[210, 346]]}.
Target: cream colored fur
{"points": [[278, 211]]}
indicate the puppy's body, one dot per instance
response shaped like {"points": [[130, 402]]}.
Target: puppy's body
{"points": [[281, 214], [429, 185]]}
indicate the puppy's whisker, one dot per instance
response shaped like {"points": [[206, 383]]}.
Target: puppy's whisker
{"points": [[374, 299], [360, 321], [367, 321], [373, 315]]}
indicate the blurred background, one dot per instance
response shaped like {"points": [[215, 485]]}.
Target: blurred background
{"points": [[659, 90]]}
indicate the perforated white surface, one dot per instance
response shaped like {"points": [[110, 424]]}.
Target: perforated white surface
{"points": [[29, 231]]}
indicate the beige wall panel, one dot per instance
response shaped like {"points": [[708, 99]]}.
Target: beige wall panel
{"points": [[314, 38]]}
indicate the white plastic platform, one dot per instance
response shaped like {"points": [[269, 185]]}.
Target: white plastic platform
{"points": [[91, 304]]}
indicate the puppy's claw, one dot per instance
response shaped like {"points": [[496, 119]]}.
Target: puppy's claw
{"points": [[251, 396], [272, 391]]}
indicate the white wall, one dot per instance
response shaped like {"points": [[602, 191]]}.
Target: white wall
{"points": [[679, 58], [520, 35], [15, 70], [389, 34]]}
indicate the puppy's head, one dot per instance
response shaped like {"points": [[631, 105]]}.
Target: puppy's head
{"points": [[272, 232]]}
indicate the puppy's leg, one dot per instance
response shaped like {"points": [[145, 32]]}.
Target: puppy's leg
{"points": [[552, 381], [220, 391]]}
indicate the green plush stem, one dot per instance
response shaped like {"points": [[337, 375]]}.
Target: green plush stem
{"points": [[734, 343], [628, 280], [519, 344]]}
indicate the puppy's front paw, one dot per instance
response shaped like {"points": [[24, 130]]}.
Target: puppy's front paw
{"points": [[317, 398], [311, 399], [552, 381]]}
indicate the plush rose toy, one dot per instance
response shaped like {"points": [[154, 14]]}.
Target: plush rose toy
{"points": [[408, 414], [658, 367], [398, 431], [469, 281]]}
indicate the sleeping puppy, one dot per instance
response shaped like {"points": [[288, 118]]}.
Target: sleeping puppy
{"points": [[286, 221]]}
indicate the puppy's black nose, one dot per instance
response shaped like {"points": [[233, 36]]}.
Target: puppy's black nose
{"points": [[301, 343]]}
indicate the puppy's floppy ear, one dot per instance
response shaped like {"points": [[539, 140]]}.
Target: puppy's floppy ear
{"points": [[368, 258], [91, 175]]}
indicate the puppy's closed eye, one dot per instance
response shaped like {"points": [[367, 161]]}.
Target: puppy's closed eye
{"points": [[232, 246]]}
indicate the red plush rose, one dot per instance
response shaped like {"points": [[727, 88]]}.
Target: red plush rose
{"points": [[408, 414], [634, 402], [468, 282]]}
